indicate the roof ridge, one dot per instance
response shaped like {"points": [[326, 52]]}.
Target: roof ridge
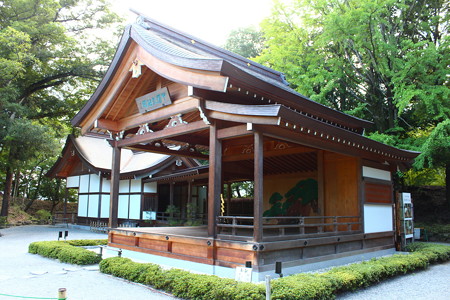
{"points": [[149, 23]]}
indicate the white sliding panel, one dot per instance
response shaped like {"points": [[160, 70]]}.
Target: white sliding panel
{"points": [[106, 185], [123, 207], [135, 186], [151, 187], [94, 183], [73, 182], [124, 186], [104, 210], [93, 206], [135, 207], [84, 184], [82, 205]]}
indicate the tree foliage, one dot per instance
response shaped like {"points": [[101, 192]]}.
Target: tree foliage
{"points": [[51, 57], [381, 60], [247, 42]]}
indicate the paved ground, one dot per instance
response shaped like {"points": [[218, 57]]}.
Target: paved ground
{"points": [[31, 275], [430, 284]]}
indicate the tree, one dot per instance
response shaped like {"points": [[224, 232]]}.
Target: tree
{"points": [[384, 60], [50, 61], [247, 42], [381, 60], [436, 152]]}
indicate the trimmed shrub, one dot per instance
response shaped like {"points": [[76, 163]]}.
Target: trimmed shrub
{"points": [[83, 243], [181, 283], [65, 252], [325, 285]]}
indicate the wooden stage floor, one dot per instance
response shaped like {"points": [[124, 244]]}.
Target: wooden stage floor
{"points": [[185, 231]]}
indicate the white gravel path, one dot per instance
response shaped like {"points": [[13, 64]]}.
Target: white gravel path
{"points": [[31, 275], [430, 284]]}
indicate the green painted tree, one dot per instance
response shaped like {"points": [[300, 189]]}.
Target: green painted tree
{"points": [[51, 58]]}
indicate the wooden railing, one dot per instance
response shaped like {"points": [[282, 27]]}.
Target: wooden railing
{"points": [[279, 228]]}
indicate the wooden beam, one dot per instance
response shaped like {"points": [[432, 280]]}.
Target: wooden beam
{"points": [[164, 150], [163, 134], [105, 124], [314, 142], [113, 88], [180, 106], [202, 79], [241, 118], [114, 189], [214, 180], [269, 153], [233, 132], [258, 202]]}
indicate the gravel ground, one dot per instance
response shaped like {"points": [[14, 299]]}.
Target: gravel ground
{"points": [[31, 275], [431, 284]]}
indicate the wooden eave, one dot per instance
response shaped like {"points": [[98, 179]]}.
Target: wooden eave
{"points": [[296, 127], [200, 73]]}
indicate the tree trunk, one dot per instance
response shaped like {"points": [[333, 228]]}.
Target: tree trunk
{"points": [[7, 192], [36, 192], [56, 199]]}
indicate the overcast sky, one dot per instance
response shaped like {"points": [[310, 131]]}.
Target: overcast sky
{"points": [[209, 20]]}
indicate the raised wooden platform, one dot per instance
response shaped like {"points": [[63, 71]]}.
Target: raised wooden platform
{"points": [[193, 244]]}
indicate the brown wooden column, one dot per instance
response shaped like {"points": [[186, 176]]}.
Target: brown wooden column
{"points": [[321, 182], [258, 187], [215, 179], [114, 191]]}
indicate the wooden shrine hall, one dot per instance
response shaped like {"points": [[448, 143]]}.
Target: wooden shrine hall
{"points": [[322, 190]]}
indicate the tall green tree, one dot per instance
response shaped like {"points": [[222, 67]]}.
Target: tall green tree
{"points": [[51, 56], [247, 42], [381, 60]]}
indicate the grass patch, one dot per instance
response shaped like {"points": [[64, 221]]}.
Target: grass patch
{"points": [[68, 251], [325, 285]]}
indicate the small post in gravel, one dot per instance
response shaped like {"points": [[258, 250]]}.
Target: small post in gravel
{"points": [[62, 294]]}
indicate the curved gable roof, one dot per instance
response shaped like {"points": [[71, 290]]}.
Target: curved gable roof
{"points": [[182, 50]]}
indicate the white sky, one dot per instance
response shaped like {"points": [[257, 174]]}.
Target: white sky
{"points": [[209, 20]]}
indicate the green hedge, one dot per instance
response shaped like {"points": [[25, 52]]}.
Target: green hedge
{"points": [[300, 286], [181, 283], [67, 252]]}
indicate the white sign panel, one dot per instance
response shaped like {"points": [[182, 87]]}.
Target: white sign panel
{"points": [[243, 274]]}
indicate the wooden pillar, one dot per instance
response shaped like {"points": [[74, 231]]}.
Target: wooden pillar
{"points": [[214, 180], [258, 187], [320, 183], [361, 192], [114, 191]]}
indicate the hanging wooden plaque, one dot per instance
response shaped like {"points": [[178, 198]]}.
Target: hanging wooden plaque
{"points": [[153, 100]]}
